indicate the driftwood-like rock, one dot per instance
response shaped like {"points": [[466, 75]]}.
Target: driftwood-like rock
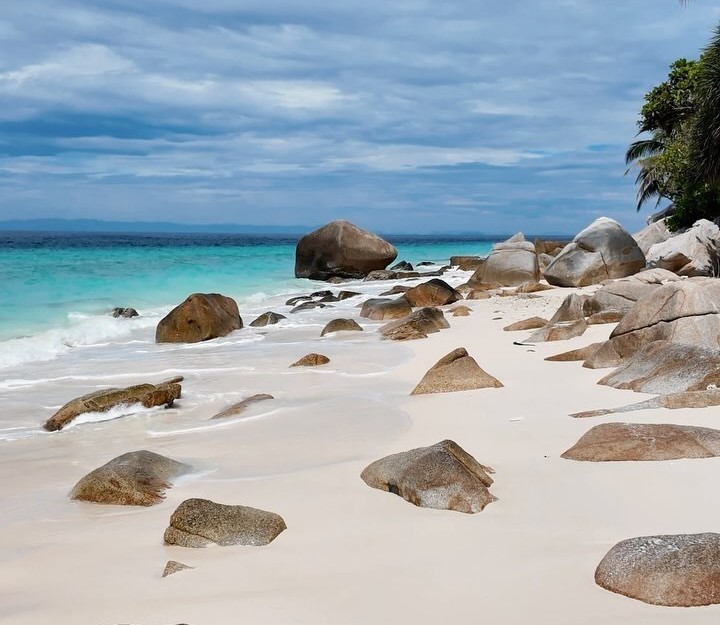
{"points": [[137, 478], [672, 401], [526, 324], [443, 476], [149, 395], [240, 407]]}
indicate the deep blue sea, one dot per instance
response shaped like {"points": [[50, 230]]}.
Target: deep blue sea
{"points": [[57, 284]]}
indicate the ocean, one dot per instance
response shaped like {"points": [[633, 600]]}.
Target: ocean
{"points": [[58, 339]]}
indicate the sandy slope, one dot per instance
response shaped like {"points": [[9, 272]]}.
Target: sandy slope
{"points": [[354, 555]]}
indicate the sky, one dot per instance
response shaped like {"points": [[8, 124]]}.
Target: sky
{"points": [[401, 116]]}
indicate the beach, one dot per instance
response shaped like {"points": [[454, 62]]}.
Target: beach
{"points": [[350, 554]]}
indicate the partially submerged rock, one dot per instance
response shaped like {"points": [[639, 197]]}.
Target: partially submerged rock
{"points": [[673, 570], [403, 265], [526, 324], [126, 313], [341, 249], [137, 478], [148, 395], [312, 305], [266, 319], [201, 317], [380, 309], [457, 371], [241, 406], [434, 292], [201, 522], [443, 476], [341, 325], [644, 441], [173, 566], [416, 325], [604, 250], [311, 360]]}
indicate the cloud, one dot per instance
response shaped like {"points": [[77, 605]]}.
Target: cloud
{"points": [[477, 116]]}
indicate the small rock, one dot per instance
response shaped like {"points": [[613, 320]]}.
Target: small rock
{"points": [[416, 325], [478, 294], [311, 360], [266, 319], [341, 325], [126, 313], [460, 311], [582, 353], [343, 295], [402, 266], [173, 566], [434, 292], [457, 371], [240, 407], [308, 306]]}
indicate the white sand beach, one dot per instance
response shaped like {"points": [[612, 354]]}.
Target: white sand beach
{"points": [[351, 554]]}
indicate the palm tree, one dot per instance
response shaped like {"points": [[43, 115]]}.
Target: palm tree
{"points": [[706, 128], [644, 155]]}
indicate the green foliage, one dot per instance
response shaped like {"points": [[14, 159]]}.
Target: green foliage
{"points": [[672, 102]]}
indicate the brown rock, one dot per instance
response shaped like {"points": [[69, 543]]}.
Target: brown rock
{"points": [[240, 407], [467, 263], [137, 478], [457, 371], [341, 249], [200, 522], [460, 311], [341, 325], [308, 306], [434, 292], [582, 353], [622, 294], [526, 324], [380, 309], [148, 395], [173, 566], [560, 331], [674, 570], [266, 319], [343, 295], [311, 360], [606, 316], [571, 309], [416, 325], [672, 401], [478, 294], [443, 476], [510, 263], [382, 274], [293, 301], [645, 441], [533, 287], [398, 289], [201, 317]]}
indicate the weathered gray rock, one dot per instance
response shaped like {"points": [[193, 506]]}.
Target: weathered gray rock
{"points": [[644, 441], [341, 325], [443, 476], [137, 478], [457, 371], [201, 317], [308, 306], [416, 325], [343, 295], [311, 360], [662, 367], [403, 265], [241, 406], [559, 331], [673, 570], [695, 252], [604, 250], [653, 233], [381, 309], [571, 309], [293, 301], [510, 263], [126, 313], [149, 395], [341, 249], [434, 292], [672, 401], [266, 319], [201, 522]]}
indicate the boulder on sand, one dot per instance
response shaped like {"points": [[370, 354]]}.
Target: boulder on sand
{"points": [[149, 395], [416, 325], [341, 249], [201, 522], [443, 476], [695, 252], [457, 371], [510, 263], [341, 325], [137, 478], [644, 441], [604, 250], [673, 570], [201, 317], [434, 292], [311, 360], [380, 309]]}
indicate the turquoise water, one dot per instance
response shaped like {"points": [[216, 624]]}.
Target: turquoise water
{"points": [[56, 280]]}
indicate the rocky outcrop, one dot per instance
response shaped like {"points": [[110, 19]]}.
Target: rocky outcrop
{"points": [[341, 249], [417, 325], [656, 232], [311, 360], [137, 478], [201, 317], [510, 263], [434, 292], [267, 319], [126, 313], [443, 476], [457, 371], [382, 309], [695, 252], [147, 395], [622, 294], [341, 325], [531, 323], [644, 441], [673, 570], [604, 250], [201, 522], [241, 406], [663, 367]]}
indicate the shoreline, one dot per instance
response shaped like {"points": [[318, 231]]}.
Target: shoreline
{"points": [[353, 554]]}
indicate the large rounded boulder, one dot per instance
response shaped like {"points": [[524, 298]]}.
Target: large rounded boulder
{"points": [[603, 251], [341, 249], [695, 252], [510, 263], [201, 317]]}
